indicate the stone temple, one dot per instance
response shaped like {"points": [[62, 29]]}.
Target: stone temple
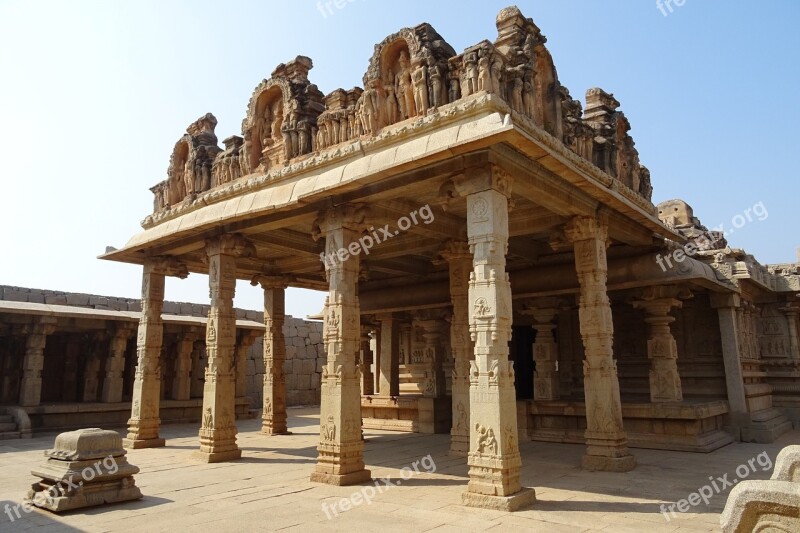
{"points": [[495, 269]]}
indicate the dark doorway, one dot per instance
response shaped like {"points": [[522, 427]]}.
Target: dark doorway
{"points": [[521, 352]]}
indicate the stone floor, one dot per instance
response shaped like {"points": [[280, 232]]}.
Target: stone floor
{"points": [[269, 489]]}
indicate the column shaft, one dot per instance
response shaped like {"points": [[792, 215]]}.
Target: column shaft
{"points": [[218, 430], [273, 416], [181, 382], [30, 393], [341, 448], [607, 443], [367, 377], [389, 377], [494, 459], [115, 363]]}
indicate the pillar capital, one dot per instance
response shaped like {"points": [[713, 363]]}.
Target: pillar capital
{"points": [[270, 282], [454, 251], [345, 216], [486, 177], [232, 244], [584, 228], [720, 300], [543, 310], [164, 265]]}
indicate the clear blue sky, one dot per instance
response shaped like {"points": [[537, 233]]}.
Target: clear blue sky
{"points": [[96, 93]]}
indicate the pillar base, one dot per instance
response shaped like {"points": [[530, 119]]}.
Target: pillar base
{"points": [[602, 463], [138, 444], [216, 457], [459, 445], [524, 498], [272, 432], [353, 478]]}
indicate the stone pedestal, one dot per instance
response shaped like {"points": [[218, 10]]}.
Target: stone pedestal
{"points": [[144, 424], [218, 430], [772, 505], [85, 468], [30, 393], [459, 261], [115, 363], [341, 447], [662, 350], [494, 459], [274, 410], [607, 443]]}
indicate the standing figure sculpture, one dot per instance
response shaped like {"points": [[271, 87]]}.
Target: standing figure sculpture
{"points": [[404, 87], [419, 78]]}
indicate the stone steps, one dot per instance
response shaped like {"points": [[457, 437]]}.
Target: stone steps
{"points": [[8, 428]]}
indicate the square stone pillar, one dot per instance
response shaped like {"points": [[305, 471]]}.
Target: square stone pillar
{"points": [[181, 382], [218, 430], [607, 443], [198, 375], [434, 385], [30, 392], [91, 369], [145, 421], [494, 459], [459, 261], [341, 446], [245, 340], [545, 349], [662, 350], [367, 377], [389, 371], [726, 305], [791, 313], [273, 417], [115, 363]]}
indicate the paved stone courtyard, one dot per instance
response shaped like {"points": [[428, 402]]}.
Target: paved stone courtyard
{"points": [[269, 489]]}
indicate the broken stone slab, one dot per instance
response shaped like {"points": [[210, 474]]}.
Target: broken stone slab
{"points": [[85, 468], [787, 465], [762, 506]]}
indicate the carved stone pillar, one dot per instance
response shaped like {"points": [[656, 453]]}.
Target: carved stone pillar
{"points": [[434, 385], [367, 377], [389, 372], [198, 376], [791, 312], [662, 350], [218, 430], [181, 382], [607, 443], [145, 421], [30, 391], [91, 369], [341, 447], [245, 341], [726, 305], [459, 261], [115, 363], [494, 459], [273, 416], [545, 350]]}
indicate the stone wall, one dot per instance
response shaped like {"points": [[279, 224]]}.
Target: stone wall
{"points": [[305, 354]]}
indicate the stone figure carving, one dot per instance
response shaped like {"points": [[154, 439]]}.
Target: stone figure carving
{"points": [[486, 440], [419, 78], [208, 419], [404, 87]]}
